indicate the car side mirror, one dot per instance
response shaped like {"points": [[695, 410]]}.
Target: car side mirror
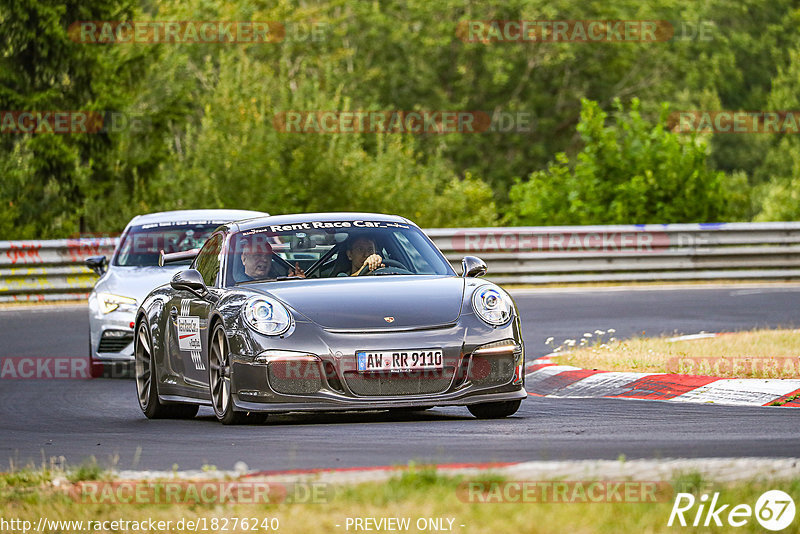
{"points": [[189, 280], [472, 266], [97, 264]]}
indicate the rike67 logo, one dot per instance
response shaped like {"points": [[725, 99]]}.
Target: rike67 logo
{"points": [[774, 510]]}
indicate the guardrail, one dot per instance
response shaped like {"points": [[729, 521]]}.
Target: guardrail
{"points": [[49, 270], [53, 270], [622, 253]]}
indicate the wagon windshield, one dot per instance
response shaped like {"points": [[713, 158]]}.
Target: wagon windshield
{"points": [[333, 249]]}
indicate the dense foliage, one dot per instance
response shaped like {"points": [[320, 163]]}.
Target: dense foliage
{"points": [[627, 171], [599, 147]]}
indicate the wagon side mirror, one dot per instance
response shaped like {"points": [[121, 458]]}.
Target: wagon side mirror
{"points": [[97, 264], [472, 266], [189, 280]]}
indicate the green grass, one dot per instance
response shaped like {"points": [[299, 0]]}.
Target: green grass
{"points": [[418, 492], [89, 470], [752, 354], [784, 401]]}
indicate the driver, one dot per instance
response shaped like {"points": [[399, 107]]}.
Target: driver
{"points": [[361, 253], [257, 262]]}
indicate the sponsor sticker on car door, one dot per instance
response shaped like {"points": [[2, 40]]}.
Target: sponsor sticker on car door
{"points": [[189, 334]]}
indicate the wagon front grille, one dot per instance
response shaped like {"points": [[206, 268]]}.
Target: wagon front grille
{"points": [[383, 384]]}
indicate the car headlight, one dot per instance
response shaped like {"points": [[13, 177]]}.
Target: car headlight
{"points": [[267, 316], [492, 305], [109, 303]]}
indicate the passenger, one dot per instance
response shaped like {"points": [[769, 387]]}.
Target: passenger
{"points": [[258, 264], [361, 253]]}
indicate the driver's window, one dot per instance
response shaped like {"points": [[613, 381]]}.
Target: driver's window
{"points": [[208, 260]]}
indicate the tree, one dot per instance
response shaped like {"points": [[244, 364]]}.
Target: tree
{"points": [[237, 157], [631, 171], [51, 177], [779, 193]]}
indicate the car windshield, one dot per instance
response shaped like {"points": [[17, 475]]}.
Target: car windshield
{"points": [[141, 245], [333, 249]]}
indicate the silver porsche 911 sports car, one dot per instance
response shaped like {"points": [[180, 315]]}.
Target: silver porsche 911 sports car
{"points": [[322, 312]]}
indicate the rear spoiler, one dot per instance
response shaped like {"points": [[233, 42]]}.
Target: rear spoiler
{"points": [[164, 258]]}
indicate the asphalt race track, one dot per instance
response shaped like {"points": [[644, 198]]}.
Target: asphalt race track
{"points": [[77, 419]]}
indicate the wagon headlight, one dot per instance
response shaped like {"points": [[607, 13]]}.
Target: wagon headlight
{"points": [[492, 305], [108, 303], [267, 316]]}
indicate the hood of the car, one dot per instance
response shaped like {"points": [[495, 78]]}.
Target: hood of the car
{"points": [[135, 282], [385, 302]]}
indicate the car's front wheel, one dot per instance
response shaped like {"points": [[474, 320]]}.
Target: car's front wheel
{"points": [[147, 382], [219, 382], [494, 410]]}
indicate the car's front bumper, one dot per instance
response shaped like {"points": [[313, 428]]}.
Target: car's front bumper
{"points": [[348, 404], [481, 364], [110, 334]]}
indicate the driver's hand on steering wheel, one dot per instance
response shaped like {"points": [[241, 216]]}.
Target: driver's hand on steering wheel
{"points": [[373, 262]]}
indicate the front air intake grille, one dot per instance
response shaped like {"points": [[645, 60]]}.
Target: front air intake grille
{"points": [[492, 370], [333, 378], [114, 340], [383, 384], [294, 377]]}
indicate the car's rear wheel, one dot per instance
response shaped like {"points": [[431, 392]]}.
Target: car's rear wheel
{"points": [[147, 383], [494, 410], [219, 382]]}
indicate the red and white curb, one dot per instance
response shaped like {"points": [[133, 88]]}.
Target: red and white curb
{"points": [[547, 379]]}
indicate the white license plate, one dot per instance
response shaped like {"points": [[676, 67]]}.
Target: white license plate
{"points": [[399, 360]]}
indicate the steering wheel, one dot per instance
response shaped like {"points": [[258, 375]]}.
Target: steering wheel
{"points": [[389, 264]]}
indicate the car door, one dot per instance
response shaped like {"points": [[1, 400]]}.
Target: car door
{"points": [[190, 314]]}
